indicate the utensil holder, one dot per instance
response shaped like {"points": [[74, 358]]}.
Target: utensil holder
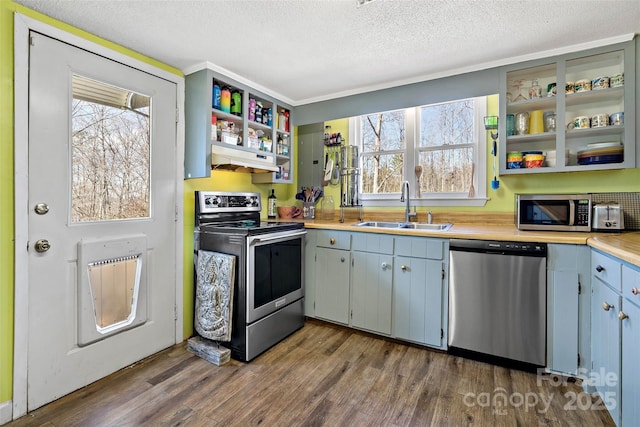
{"points": [[308, 210]]}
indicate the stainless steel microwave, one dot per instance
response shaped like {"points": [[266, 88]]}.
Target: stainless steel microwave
{"points": [[561, 212]]}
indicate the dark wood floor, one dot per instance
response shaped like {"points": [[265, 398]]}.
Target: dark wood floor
{"points": [[323, 375]]}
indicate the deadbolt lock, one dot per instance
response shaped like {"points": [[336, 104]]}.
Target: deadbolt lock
{"points": [[42, 245], [41, 208]]}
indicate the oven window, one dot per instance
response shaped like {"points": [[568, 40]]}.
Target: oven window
{"points": [[278, 270], [549, 212]]}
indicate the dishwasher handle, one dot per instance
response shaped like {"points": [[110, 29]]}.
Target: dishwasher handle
{"points": [[498, 247]]}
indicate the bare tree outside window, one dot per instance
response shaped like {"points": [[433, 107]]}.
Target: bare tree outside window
{"points": [[110, 159], [440, 149], [446, 146], [383, 142]]}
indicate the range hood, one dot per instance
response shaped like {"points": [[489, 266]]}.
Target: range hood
{"points": [[242, 160]]}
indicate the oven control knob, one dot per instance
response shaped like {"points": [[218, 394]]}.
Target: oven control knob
{"points": [[606, 306]]}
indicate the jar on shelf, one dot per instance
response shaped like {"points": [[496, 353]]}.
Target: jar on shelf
{"points": [[535, 91]]}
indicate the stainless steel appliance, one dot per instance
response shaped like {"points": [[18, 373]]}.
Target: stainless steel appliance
{"points": [[559, 212], [608, 217], [497, 301], [269, 287]]}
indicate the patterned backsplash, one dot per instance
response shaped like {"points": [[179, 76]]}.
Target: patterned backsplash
{"points": [[630, 204]]}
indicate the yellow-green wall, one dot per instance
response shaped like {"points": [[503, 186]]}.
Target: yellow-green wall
{"points": [[7, 285]]}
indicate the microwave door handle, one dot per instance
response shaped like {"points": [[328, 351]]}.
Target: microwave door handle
{"points": [[280, 237], [572, 212]]}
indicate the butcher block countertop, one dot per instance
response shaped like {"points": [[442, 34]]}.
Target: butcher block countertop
{"points": [[625, 245]]}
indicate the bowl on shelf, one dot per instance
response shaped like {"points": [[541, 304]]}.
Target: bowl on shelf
{"points": [[514, 160], [533, 161]]}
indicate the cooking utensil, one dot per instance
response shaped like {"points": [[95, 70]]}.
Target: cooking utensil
{"points": [[328, 170], [335, 177], [418, 176]]}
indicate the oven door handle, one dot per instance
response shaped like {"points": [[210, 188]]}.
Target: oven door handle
{"points": [[283, 236]]}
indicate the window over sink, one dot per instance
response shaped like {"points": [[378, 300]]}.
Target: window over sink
{"points": [[439, 148]]}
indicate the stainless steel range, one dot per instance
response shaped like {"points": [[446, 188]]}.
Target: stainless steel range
{"points": [[268, 298]]}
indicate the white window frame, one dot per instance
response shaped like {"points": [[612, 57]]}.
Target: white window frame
{"points": [[411, 154]]}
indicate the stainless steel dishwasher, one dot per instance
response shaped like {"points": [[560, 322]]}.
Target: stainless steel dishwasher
{"points": [[497, 301]]}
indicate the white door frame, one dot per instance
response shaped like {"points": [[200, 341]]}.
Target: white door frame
{"points": [[22, 25]]}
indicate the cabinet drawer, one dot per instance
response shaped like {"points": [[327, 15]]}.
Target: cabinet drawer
{"points": [[371, 242], [420, 247], [334, 239], [606, 269], [631, 284]]}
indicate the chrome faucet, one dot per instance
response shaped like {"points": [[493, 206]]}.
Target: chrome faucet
{"points": [[404, 197]]}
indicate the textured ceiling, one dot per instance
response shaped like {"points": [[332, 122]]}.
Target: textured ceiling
{"points": [[306, 50]]}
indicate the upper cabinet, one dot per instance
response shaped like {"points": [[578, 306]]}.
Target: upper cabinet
{"points": [[578, 110], [229, 125]]}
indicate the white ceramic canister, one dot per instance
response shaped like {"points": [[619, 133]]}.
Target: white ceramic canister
{"points": [[600, 83], [616, 119], [617, 80], [569, 87], [600, 120], [583, 86], [580, 122]]}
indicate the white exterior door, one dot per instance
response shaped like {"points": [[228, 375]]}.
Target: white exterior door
{"points": [[101, 217]]}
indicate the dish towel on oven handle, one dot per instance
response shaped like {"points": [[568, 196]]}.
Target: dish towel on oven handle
{"points": [[215, 273]]}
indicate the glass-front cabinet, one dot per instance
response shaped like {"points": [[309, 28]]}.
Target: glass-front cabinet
{"points": [[577, 110], [225, 119]]}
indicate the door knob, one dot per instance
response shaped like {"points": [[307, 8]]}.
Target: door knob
{"points": [[41, 208], [622, 315], [42, 245], [606, 306]]}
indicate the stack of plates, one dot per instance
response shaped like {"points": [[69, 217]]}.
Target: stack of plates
{"points": [[601, 152]]}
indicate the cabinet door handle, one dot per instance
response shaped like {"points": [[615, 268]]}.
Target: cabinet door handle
{"points": [[404, 268], [606, 306], [635, 291], [599, 268], [332, 241], [622, 315]]}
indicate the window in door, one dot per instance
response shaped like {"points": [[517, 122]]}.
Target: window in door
{"points": [[110, 152]]}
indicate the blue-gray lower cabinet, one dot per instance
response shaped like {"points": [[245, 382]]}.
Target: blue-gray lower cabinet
{"points": [[332, 284], [630, 322], [310, 272], [615, 336], [568, 308], [420, 286], [332, 271], [371, 281]]}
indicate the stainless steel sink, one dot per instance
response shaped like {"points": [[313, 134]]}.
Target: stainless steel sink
{"points": [[407, 225]]}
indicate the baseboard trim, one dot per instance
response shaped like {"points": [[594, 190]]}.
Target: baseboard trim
{"points": [[6, 412]]}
